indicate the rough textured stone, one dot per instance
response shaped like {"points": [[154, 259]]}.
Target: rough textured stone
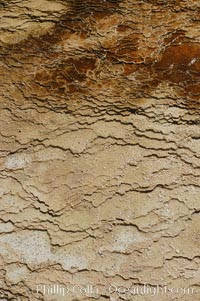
{"points": [[99, 147]]}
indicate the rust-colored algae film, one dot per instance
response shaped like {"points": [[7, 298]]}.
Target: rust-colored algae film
{"points": [[99, 150]]}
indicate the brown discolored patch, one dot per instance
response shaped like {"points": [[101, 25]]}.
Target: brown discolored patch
{"points": [[180, 56], [174, 37], [66, 75], [121, 28], [44, 45], [130, 69], [179, 66], [125, 49]]}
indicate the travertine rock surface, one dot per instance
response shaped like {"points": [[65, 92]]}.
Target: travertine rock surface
{"points": [[99, 149]]}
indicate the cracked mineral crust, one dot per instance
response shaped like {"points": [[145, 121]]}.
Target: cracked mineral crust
{"points": [[100, 150]]}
